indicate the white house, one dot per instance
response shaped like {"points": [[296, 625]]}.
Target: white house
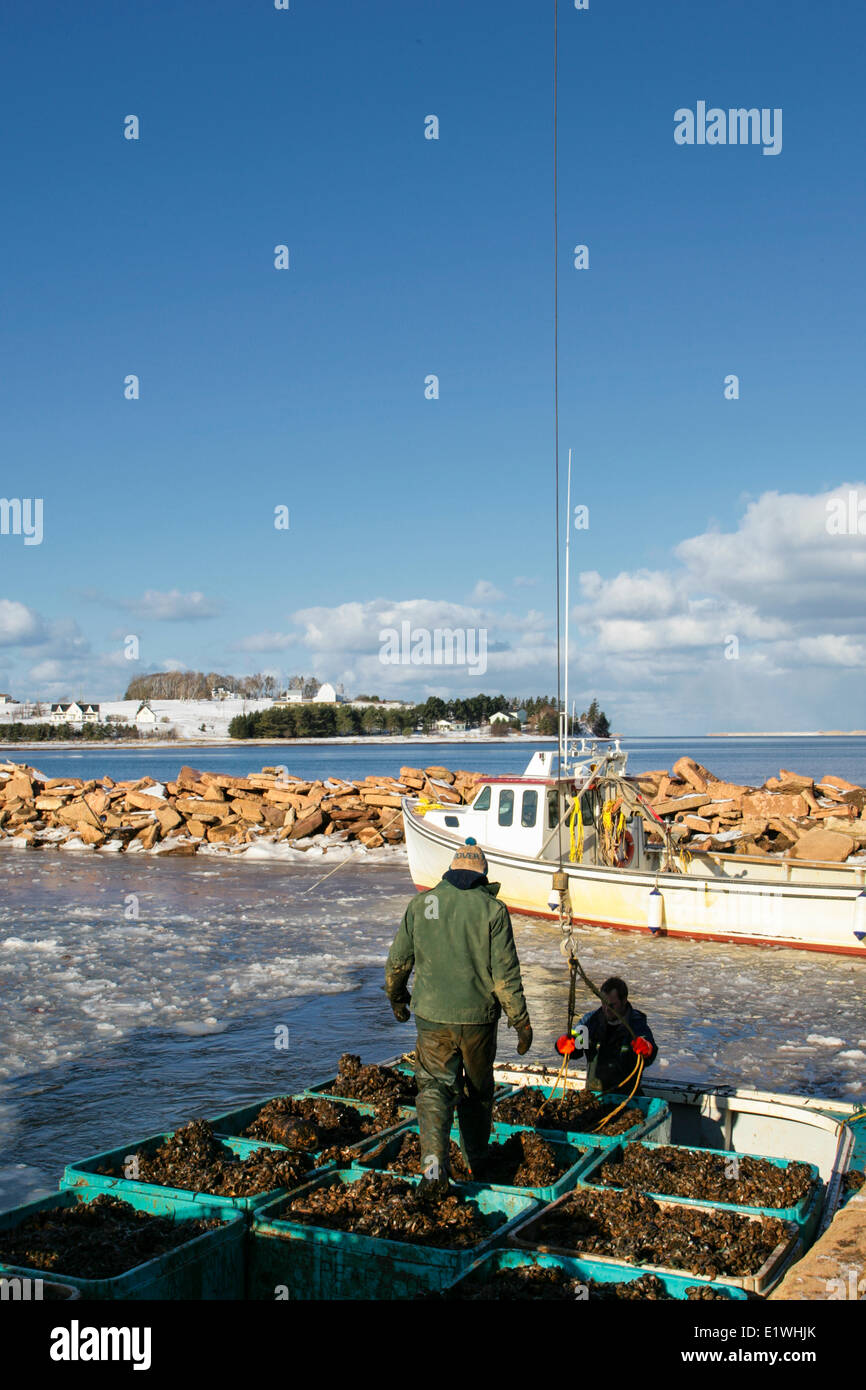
{"points": [[311, 692], [500, 718], [144, 716], [74, 712], [7, 700]]}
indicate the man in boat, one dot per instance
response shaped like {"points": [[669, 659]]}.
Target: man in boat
{"points": [[618, 1036], [459, 940]]}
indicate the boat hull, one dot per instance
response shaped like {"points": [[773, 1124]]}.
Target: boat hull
{"points": [[719, 899]]}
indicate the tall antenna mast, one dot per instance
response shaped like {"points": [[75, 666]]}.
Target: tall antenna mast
{"points": [[559, 712], [567, 547]]}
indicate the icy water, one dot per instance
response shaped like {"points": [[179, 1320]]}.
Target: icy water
{"points": [[117, 1026], [138, 993], [748, 760]]}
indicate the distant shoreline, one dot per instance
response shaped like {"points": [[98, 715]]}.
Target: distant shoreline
{"points": [[357, 740]]}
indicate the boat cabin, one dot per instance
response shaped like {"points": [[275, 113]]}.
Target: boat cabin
{"points": [[520, 814]]}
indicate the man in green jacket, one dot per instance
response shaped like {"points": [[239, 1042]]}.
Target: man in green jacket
{"points": [[459, 941]]}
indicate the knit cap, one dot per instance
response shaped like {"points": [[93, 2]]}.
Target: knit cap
{"points": [[470, 857]]}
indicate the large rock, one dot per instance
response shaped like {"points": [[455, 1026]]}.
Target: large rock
{"points": [[852, 796], [729, 809], [670, 805], [839, 782], [829, 846], [379, 799], [149, 835], [788, 781], [19, 787], [773, 804], [188, 777], [440, 774], [221, 834], [689, 771], [370, 837], [412, 776], [141, 801], [308, 825], [855, 828], [76, 813], [194, 806], [90, 834]]}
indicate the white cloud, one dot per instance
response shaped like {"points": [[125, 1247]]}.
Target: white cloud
{"points": [[783, 557], [19, 625], [173, 606], [344, 643], [485, 592], [265, 642], [787, 588]]}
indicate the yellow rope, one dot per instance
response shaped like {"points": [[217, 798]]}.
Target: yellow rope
{"points": [[609, 1117], [575, 851], [561, 1073]]}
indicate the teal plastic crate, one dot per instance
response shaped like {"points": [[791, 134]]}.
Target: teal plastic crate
{"points": [[578, 1157], [804, 1215], [324, 1090], [675, 1284], [292, 1260], [527, 1236], [656, 1121], [26, 1286], [209, 1266], [848, 1195], [232, 1123], [83, 1177]]}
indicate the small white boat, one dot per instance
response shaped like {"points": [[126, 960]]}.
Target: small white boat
{"points": [[593, 821]]}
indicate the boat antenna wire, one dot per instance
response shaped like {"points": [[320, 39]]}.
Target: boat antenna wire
{"points": [[560, 880], [556, 398]]}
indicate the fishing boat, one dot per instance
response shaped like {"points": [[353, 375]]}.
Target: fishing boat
{"points": [[623, 866]]}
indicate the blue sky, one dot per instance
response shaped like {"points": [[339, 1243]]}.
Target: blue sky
{"points": [[305, 387]]}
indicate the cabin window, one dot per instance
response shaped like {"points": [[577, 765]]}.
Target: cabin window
{"points": [[552, 814], [482, 800], [529, 810], [506, 807]]}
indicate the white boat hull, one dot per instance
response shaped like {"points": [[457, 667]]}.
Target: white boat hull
{"points": [[720, 898]]}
